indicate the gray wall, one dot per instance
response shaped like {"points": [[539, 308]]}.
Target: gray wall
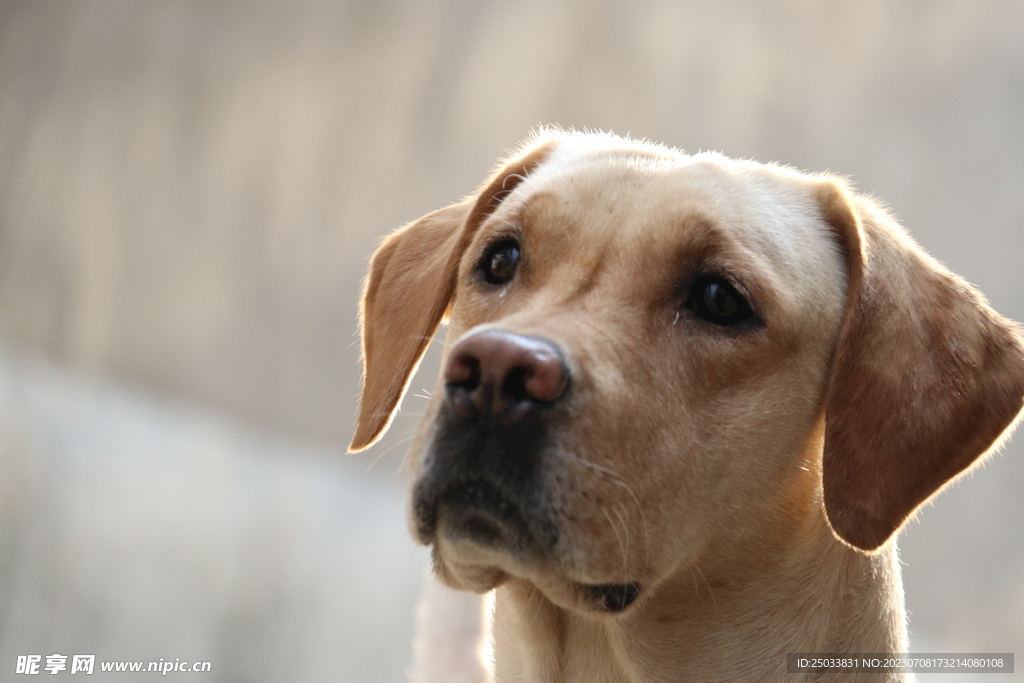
{"points": [[189, 191]]}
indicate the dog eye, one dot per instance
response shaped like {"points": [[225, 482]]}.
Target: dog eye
{"points": [[713, 299], [499, 265]]}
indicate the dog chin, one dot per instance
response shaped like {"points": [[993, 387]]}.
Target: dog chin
{"points": [[464, 566], [467, 577], [479, 545]]}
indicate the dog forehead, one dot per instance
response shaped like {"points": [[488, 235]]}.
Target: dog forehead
{"points": [[660, 202]]}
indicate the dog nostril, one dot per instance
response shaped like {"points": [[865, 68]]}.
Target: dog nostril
{"points": [[514, 385], [463, 371], [545, 379], [463, 376]]}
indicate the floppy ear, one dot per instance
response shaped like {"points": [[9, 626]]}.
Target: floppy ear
{"points": [[925, 378], [409, 288]]}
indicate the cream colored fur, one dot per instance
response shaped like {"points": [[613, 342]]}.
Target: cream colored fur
{"points": [[749, 482]]}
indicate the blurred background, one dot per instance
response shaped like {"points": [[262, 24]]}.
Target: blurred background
{"points": [[190, 190]]}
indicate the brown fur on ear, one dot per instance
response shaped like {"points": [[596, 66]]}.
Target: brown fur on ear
{"points": [[410, 285], [925, 377]]}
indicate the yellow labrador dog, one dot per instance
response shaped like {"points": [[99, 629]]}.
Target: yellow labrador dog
{"points": [[686, 403]]}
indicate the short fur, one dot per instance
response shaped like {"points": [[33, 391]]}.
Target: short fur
{"points": [[749, 482]]}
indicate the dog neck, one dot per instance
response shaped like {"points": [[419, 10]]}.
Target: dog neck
{"points": [[720, 621]]}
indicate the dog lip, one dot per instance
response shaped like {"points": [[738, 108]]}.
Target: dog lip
{"points": [[610, 597], [479, 510]]}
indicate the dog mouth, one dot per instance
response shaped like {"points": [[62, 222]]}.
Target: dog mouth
{"points": [[484, 508], [478, 510], [611, 598]]}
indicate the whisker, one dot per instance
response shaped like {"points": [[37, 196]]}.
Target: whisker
{"points": [[625, 531], [643, 523], [617, 479], [597, 468], [404, 439], [615, 531], [696, 586], [540, 601], [710, 592]]}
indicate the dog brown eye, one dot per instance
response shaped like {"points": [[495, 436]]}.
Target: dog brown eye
{"points": [[715, 300], [500, 263]]}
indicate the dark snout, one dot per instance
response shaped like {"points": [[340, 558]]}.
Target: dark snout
{"points": [[484, 471]]}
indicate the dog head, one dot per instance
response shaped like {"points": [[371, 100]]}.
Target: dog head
{"points": [[655, 359]]}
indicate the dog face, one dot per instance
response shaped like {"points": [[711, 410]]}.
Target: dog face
{"points": [[663, 400], [645, 354]]}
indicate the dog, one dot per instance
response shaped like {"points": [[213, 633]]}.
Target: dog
{"points": [[686, 403]]}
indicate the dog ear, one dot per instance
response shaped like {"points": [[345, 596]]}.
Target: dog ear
{"points": [[924, 381], [409, 289]]}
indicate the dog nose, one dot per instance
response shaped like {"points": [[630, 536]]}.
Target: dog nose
{"points": [[497, 373]]}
